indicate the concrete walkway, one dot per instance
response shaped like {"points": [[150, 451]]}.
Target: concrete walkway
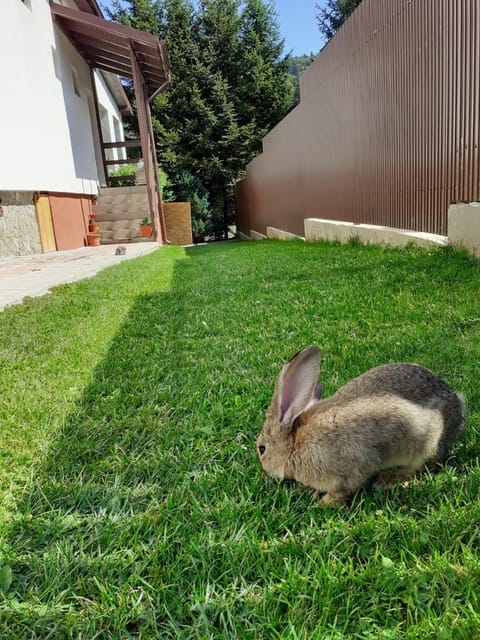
{"points": [[36, 275]]}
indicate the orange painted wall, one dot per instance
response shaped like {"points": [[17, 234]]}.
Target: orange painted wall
{"points": [[70, 220]]}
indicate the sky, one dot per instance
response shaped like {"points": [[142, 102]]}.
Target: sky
{"points": [[297, 22], [298, 25]]}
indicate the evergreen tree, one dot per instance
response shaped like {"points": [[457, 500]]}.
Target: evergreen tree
{"points": [[264, 94], [139, 14], [223, 139], [331, 17], [229, 87]]}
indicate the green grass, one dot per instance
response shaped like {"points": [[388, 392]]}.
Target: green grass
{"points": [[132, 501]]}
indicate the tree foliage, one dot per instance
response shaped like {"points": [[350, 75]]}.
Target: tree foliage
{"points": [[331, 16], [229, 88], [296, 66]]}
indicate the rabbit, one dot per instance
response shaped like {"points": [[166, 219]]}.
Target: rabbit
{"points": [[389, 422]]}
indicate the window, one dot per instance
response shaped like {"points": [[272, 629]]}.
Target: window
{"points": [[56, 63], [76, 82]]}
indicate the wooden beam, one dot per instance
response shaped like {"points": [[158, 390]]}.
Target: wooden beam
{"points": [[123, 161], [119, 145], [148, 150], [99, 125], [107, 45], [162, 231], [111, 28]]}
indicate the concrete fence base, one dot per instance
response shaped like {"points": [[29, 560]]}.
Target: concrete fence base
{"points": [[280, 234], [255, 235], [319, 229], [463, 231], [464, 227]]}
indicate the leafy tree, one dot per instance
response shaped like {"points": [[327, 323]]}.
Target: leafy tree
{"points": [[331, 17], [296, 66]]}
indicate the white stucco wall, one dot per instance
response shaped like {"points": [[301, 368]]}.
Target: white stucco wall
{"points": [[46, 129], [112, 128]]}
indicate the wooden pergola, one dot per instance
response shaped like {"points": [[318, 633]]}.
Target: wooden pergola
{"points": [[131, 54]]}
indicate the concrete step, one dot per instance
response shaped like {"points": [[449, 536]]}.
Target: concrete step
{"points": [[123, 214], [108, 200], [114, 209], [120, 230], [104, 191], [119, 212], [124, 240], [122, 194]]}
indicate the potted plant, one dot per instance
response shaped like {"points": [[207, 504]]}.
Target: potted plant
{"points": [[94, 199], [93, 235], [93, 239], [92, 224], [146, 227]]}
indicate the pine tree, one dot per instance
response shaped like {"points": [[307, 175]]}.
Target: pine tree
{"points": [[264, 94], [229, 87], [224, 139], [331, 17], [139, 14]]}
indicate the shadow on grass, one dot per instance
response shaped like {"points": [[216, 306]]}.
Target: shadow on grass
{"points": [[150, 515]]}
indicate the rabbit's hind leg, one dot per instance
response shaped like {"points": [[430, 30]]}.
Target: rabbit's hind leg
{"points": [[390, 477]]}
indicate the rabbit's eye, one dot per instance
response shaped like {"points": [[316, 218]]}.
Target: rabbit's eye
{"points": [[261, 449]]}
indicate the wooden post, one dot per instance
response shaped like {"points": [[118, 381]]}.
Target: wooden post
{"points": [[162, 230], [148, 151], [99, 124]]}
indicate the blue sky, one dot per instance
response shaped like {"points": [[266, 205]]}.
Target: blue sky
{"points": [[298, 25]]}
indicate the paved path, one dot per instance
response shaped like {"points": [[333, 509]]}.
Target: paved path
{"points": [[36, 275]]}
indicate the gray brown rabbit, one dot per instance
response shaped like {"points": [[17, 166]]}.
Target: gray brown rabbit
{"points": [[393, 419]]}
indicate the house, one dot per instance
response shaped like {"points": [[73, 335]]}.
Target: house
{"points": [[61, 118]]}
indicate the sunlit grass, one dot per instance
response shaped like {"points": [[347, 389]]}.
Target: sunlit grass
{"points": [[133, 502]]}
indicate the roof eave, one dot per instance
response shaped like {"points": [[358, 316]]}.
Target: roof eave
{"points": [[108, 46], [118, 92]]}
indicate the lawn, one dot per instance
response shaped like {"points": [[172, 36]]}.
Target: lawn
{"points": [[132, 500]]}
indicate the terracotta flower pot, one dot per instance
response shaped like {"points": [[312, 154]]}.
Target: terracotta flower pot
{"points": [[146, 230], [93, 239]]}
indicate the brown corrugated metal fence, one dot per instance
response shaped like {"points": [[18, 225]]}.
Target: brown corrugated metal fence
{"points": [[387, 129]]}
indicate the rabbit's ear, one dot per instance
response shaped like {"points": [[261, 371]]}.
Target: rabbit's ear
{"points": [[298, 384]]}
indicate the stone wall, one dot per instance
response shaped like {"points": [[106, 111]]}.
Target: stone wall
{"points": [[19, 234]]}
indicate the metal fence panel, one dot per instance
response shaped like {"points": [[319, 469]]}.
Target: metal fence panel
{"points": [[387, 129]]}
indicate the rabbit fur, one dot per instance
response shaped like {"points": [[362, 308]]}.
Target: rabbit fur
{"points": [[389, 422]]}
